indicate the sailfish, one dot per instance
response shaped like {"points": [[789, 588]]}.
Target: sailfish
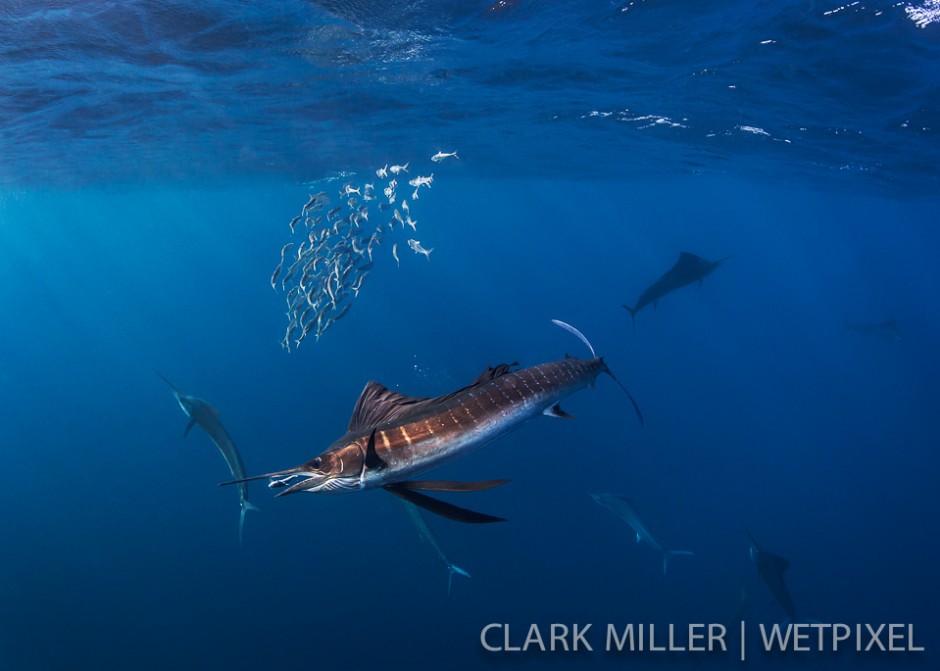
{"points": [[623, 508], [391, 437], [688, 269], [771, 569], [207, 417]]}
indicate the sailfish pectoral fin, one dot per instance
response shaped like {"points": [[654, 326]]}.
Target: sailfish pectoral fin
{"points": [[190, 424], [373, 461], [448, 485], [442, 508]]}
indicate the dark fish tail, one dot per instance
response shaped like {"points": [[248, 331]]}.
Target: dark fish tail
{"points": [[606, 369], [245, 507], [636, 407], [632, 312]]}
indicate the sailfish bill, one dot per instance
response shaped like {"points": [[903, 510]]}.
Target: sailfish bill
{"points": [[391, 437], [275, 474]]}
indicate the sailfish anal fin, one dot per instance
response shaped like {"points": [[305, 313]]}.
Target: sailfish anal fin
{"points": [[556, 411], [442, 508]]}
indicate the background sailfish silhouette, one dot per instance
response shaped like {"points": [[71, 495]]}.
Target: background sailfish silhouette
{"points": [[688, 269], [207, 417], [414, 514]]}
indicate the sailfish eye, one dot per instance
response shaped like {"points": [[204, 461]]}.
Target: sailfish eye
{"points": [[315, 463]]}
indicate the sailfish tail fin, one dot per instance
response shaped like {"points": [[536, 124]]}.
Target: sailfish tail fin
{"points": [[451, 570], [636, 406], [245, 507], [571, 329], [632, 312], [669, 554]]}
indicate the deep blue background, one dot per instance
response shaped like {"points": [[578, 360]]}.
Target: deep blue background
{"points": [[762, 413], [151, 155]]}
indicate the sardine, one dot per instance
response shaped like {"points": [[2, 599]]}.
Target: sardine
{"points": [[418, 249], [420, 181], [440, 156]]}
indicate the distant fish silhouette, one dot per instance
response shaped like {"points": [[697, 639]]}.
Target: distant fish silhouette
{"points": [[623, 508], [207, 417], [688, 269], [771, 569], [425, 532], [887, 329]]}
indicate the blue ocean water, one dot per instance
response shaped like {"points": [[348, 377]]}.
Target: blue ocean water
{"points": [[151, 157]]}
